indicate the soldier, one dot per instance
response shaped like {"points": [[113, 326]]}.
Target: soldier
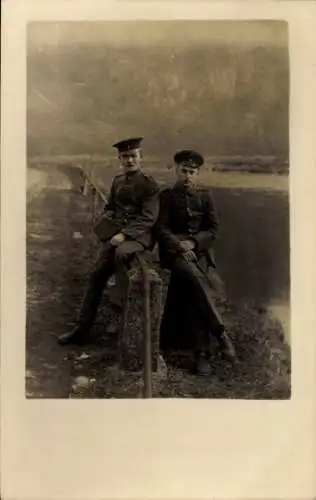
{"points": [[186, 228], [125, 228]]}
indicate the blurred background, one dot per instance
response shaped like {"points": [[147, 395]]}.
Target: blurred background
{"points": [[221, 87]]}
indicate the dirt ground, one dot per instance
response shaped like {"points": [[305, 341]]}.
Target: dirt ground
{"points": [[60, 251]]}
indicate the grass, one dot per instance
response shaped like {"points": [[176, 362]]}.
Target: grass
{"points": [[262, 372], [58, 266]]}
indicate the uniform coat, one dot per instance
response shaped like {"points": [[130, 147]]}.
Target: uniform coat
{"points": [[187, 213], [190, 314], [134, 202]]}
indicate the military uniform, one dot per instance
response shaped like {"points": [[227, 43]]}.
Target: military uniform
{"points": [[188, 213], [133, 204]]}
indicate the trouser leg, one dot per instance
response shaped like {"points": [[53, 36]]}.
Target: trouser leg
{"points": [[102, 270], [201, 294], [123, 257], [207, 317], [109, 260]]}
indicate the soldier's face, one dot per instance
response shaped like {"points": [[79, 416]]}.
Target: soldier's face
{"points": [[130, 160], [186, 175]]}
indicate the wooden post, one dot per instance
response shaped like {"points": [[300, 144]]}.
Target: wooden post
{"points": [[140, 320], [93, 193], [95, 203], [85, 185], [147, 370]]}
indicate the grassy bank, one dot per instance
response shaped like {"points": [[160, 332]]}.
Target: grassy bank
{"points": [[58, 264]]}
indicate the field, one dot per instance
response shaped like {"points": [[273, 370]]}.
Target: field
{"points": [[253, 259]]}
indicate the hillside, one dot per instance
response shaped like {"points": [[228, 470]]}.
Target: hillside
{"points": [[223, 99]]}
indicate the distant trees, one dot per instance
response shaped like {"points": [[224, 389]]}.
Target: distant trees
{"points": [[221, 99]]}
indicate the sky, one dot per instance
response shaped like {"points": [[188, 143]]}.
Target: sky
{"points": [[157, 32]]}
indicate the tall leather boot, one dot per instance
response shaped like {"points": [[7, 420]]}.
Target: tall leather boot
{"points": [[202, 365], [81, 333], [77, 336]]}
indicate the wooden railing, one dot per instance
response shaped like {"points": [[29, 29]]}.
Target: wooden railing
{"points": [[97, 194]]}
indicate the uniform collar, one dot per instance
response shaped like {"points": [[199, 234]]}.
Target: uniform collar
{"points": [[182, 189], [132, 175]]}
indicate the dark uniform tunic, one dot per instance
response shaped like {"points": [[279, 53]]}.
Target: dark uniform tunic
{"points": [[134, 203], [190, 314], [133, 200]]}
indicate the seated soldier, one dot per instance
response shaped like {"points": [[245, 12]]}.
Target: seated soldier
{"points": [[186, 228], [125, 228]]}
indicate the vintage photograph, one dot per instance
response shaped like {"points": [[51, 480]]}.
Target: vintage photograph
{"points": [[158, 210]]}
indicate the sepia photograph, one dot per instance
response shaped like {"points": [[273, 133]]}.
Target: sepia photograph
{"points": [[158, 210]]}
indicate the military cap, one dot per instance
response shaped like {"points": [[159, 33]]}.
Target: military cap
{"points": [[128, 144], [189, 157]]}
